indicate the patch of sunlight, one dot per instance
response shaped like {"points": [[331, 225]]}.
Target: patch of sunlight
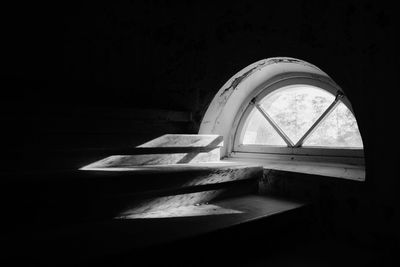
{"points": [[182, 211]]}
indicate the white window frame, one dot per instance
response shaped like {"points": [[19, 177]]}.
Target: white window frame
{"points": [[339, 155]]}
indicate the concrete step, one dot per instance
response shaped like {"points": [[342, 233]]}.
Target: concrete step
{"points": [[138, 233], [157, 156], [137, 179], [166, 149], [56, 152], [155, 202], [158, 177], [65, 197]]}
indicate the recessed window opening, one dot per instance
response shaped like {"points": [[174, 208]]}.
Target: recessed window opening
{"points": [[288, 114]]}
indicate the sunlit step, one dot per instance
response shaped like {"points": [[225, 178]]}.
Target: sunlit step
{"points": [[156, 157], [145, 230], [166, 149], [68, 197]]}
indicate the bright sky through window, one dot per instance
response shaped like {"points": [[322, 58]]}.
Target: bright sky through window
{"points": [[259, 131], [339, 129], [294, 110]]}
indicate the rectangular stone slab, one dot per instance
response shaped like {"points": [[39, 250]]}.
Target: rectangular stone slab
{"points": [[155, 159]]}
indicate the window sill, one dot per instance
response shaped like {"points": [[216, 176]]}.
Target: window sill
{"points": [[327, 169]]}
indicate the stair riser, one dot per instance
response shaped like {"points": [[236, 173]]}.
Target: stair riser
{"points": [[185, 140], [123, 182], [132, 184]]}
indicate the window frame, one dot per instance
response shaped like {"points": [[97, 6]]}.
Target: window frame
{"points": [[340, 155]]}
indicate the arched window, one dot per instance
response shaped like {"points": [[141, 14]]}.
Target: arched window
{"points": [[285, 109], [299, 118]]}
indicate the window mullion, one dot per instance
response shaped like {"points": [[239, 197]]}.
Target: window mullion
{"points": [[275, 126], [321, 118]]}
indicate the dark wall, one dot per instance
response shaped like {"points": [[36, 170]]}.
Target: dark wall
{"points": [[177, 55], [154, 54]]}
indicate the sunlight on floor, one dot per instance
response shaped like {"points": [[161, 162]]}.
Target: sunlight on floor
{"points": [[183, 211]]}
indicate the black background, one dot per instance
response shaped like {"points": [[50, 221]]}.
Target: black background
{"points": [[176, 56]]}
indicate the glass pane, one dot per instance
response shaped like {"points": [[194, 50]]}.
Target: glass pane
{"points": [[295, 108], [339, 129], [257, 130]]}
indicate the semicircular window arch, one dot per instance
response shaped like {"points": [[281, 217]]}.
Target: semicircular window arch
{"points": [[299, 119]]}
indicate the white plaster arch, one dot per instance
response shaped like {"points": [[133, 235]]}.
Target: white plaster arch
{"points": [[230, 102]]}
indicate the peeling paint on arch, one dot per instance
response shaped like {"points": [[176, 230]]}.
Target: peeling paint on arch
{"points": [[239, 79]]}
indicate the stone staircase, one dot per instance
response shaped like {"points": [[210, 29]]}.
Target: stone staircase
{"points": [[167, 177], [171, 188]]}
